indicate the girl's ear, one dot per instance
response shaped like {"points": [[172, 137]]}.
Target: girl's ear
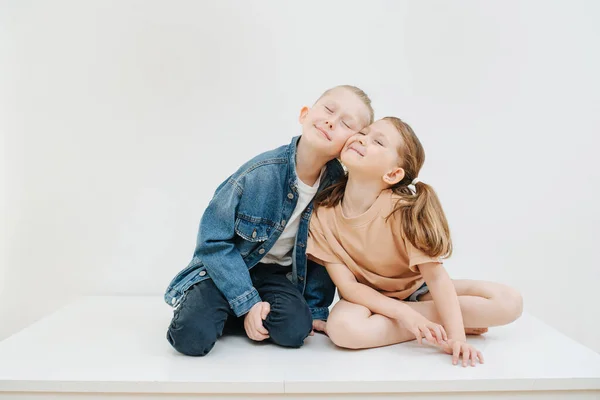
{"points": [[394, 176]]}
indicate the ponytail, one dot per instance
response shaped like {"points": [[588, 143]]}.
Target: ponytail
{"points": [[423, 220]]}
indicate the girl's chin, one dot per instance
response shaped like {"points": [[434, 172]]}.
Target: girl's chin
{"points": [[359, 170], [348, 158], [352, 168]]}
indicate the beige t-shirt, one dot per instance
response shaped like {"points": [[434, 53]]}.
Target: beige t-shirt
{"points": [[374, 249]]}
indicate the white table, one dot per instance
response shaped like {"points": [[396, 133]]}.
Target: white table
{"points": [[115, 348]]}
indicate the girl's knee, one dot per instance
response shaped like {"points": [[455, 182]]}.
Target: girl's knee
{"points": [[510, 303], [342, 332], [515, 306]]}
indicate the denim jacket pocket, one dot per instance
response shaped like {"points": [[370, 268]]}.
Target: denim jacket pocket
{"points": [[251, 231]]}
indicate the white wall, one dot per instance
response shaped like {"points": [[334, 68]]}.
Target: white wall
{"points": [[3, 132], [4, 129], [120, 118]]}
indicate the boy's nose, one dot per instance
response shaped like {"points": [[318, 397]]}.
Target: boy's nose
{"points": [[329, 124]]}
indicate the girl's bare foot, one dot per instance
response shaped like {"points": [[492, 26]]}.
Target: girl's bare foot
{"points": [[475, 331]]}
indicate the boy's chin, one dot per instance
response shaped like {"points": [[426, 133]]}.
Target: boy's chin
{"points": [[316, 137], [320, 144]]}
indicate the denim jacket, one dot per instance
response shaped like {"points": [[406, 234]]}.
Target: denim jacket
{"points": [[242, 222]]}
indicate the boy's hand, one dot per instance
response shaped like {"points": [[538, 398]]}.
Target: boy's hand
{"points": [[457, 347], [422, 327], [319, 326], [253, 321]]}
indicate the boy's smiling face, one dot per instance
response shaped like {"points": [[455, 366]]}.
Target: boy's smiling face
{"points": [[332, 120]]}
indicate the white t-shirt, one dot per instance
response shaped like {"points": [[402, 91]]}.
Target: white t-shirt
{"points": [[281, 252]]}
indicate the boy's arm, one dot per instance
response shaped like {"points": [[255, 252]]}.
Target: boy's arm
{"points": [[216, 249], [319, 291], [445, 299]]}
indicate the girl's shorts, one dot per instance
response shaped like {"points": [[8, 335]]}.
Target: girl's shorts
{"points": [[417, 293]]}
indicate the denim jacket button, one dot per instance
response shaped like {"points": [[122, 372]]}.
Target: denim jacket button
{"points": [[261, 251], [173, 301], [290, 196], [300, 278], [283, 221], [253, 234], [202, 273]]}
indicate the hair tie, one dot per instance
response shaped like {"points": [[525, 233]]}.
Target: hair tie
{"points": [[412, 186]]}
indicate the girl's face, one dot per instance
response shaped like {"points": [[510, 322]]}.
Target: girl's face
{"points": [[374, 153], [335, 117]]}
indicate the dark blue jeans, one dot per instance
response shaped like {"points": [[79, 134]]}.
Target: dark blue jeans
{"points": [[204, 314]]}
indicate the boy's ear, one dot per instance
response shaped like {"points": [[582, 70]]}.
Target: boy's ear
{"points": [[394, 176], [303, 113]]}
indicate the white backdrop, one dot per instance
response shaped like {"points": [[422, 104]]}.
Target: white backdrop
{"points": [[120, 118]]}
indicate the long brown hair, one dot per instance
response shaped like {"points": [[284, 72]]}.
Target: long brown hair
{"points": [[422, 217]]}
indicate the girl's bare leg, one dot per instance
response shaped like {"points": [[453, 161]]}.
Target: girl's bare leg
{"points": [[483, 304], [353, 326]]}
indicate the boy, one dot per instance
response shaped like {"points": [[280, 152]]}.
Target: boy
{"points": [[249, 266]]}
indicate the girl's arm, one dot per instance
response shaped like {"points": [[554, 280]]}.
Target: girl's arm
{"points": [[445, 299], [355, 292]]}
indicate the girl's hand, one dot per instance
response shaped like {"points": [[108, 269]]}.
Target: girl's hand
{"points": [[457, 347], [422, 327]]}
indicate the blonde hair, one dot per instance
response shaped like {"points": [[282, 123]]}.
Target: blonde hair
{"points": [[422, 218], [358, 92]]}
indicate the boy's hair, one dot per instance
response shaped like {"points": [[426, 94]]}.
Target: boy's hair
{"points": [[422, 219], [361, 95]]}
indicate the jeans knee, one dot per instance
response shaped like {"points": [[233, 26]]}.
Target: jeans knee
{"points": [[199, 319], [191, 340], [289, 328]]}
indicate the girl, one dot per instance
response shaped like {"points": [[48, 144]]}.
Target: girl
{"points": [[382, 235]]}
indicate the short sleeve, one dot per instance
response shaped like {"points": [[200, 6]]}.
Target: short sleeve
{"points": [[318, 248], [417, 257]]}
